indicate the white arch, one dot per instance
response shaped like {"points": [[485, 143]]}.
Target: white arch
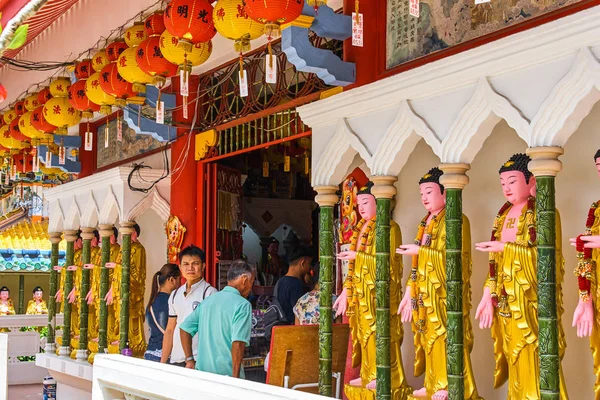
{"points": [[89, 218], [475, 123], [569, 103], [338, 155], [56, 217], [109, 212], [152, 201], [72, 220], [400, 140]]}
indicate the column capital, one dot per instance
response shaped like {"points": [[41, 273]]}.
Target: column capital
{"points": [[55, 237], [544, 160], [126, 227], [326, 196], [383, 187], [87, 233], [71, 235], [106, 230], [455, 175]]}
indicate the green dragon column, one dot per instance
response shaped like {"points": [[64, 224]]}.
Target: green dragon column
{"points": [[383, 190], [454, 180], [70, 237], [125, 275], [105, 233], [55, 238], [545, 166], [326, 198], [21, 309], [86, 252]]}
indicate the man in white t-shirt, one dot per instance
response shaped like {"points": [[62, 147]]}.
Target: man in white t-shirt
{"points": [[192, 262]]}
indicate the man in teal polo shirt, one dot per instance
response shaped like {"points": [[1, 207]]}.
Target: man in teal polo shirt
{"points": [[223, 322]]}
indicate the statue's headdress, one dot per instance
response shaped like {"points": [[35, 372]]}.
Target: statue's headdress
{"points": [[366, 189], [518, 162], [4, 289], [433, 176], [37, 289], [597, 155]]}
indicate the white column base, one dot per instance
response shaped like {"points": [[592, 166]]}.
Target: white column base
{"points": [[50, 348], [82, 356], [64, 351]]}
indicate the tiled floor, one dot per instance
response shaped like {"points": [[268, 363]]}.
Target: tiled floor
{"points": [[25, 392]]}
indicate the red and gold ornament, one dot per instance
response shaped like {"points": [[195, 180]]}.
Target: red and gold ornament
{"points": [[191, 21], [79, 99], [151, 60], [155, 24], [114, 50], [114, 84], [43, 96]]}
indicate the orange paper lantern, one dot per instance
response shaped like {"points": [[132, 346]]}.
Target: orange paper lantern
{"points": [[20, 107], [155, 24], [272, 13], [191, 21], [38, 121], [43, 96], [15, 132], [114, 50], [114, 84], [79, 99], [151, 60], [84, 69]]}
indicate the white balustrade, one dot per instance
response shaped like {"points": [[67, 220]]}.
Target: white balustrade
{"points": [[120, 377]]}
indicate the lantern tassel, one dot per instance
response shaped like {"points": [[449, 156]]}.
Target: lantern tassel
{"points": [[241, 65], [270, 50], [356, 11]]}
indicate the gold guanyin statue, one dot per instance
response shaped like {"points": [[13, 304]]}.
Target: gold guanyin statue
{"points": [[6, 304], [74, 297], [93, 296], [137, 281], [587, 316], [37, 305], [424, 301], [510, 301], [358, 298]]}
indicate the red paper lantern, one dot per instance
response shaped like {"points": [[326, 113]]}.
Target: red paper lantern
{"points": [[23, 162], [38, 121], [191, 21], [44, 95], [114, 50], [20, 107], [155, 24], [151, 60], [84, 69], [114, 84], [14, 130], [272, 13], [78, 99]]}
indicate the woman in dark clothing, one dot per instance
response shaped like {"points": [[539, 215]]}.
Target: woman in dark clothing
{"points": [[157, 312]]}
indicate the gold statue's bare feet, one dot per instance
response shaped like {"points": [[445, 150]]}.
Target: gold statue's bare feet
{"points": [[440, 395], [372, 384], [420, 393], [356, 382]]}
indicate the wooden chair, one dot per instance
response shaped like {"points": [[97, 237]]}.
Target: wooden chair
{"points": [[294, 357]]}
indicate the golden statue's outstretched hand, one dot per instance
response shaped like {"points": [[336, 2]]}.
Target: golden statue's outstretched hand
{"points": [[408, 249], [490, 247], [405, 307], [583, 318], [485, 309], [591, 241], [341, 304]]}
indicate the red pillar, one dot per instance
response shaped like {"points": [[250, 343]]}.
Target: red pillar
{"points": [[184, 179], [366, 58]]}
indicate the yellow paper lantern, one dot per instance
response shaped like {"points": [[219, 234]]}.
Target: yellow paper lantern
{"points": [[129, 70], [7, 141], [135, 34], [9, 115], [60, 113], [177, 55], [60, 87], [100, 60], [231, 21], [32, 102], [97, 95], [26, 128]]}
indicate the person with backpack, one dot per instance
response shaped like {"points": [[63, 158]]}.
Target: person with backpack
{"points": [[183, 301], [293, 285]]}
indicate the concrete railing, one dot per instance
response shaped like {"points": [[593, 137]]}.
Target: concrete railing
{"points": [[14, 344], [120, 377]]}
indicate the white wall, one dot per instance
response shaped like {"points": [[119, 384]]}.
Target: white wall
{"points": [[577, 186]]}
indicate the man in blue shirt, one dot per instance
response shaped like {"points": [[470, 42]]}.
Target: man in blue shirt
{"points": [[223, 323]]}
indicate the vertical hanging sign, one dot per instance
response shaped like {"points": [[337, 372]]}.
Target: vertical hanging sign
{"points": [[184, 91], [89, 138], [270, 69], [160, 112], [106, 131], [48, 158], [357, 29], [61, 155], [6, 177], [35, 160], [243, 83], [414, 8]]}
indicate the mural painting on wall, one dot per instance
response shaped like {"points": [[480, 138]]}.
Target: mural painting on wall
{"points": [[132, 145], [446, 23]]}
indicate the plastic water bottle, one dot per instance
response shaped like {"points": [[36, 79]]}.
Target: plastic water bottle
{"points": [[49, 388]]}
